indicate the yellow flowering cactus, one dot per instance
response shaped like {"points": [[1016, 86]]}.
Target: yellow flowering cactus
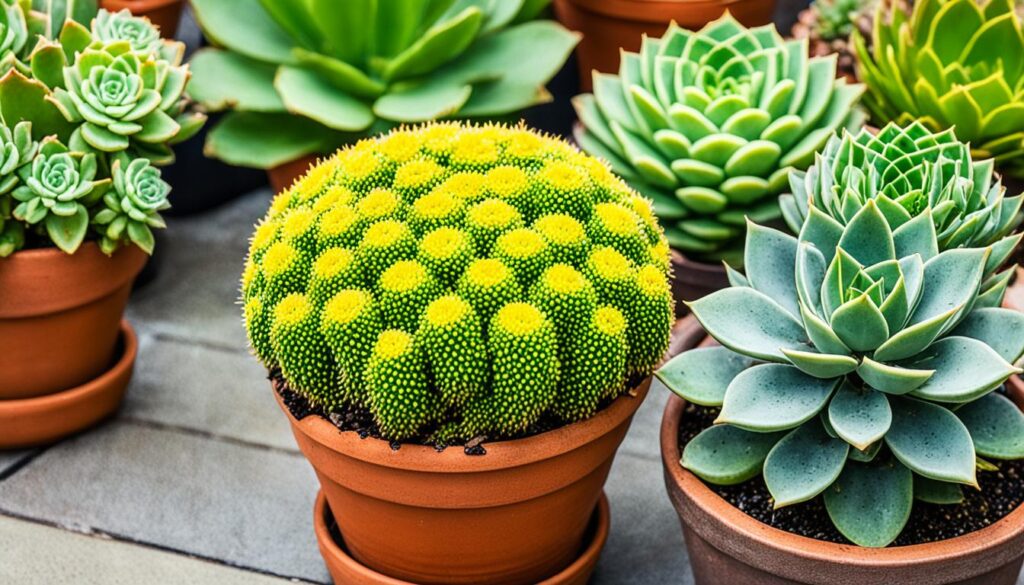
{"points": [[459, 281]]}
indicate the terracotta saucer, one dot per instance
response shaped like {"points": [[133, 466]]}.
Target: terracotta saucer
{"points": [[45, 419], [346, 570]]}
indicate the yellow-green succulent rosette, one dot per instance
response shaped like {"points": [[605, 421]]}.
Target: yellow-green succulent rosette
{"points": [[458, 281]]}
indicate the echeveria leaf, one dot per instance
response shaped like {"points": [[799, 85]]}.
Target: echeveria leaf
{"points": [[1001, 329], [774, 397], [222, 79], [951, 280], [770, 261], [867, 236], [244, 27], [996, 426], [965, 369], [937, 492], [266, 140], [702, 375], [803, 464], [727, 455], [307, 94], [931, 441], [821, 365], [860, 324], [859, 416], [870, 502], [892, 379], [749, 322]]}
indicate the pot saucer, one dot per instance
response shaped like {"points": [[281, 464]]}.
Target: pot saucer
{"points": [[345, 569], [45, 419]]}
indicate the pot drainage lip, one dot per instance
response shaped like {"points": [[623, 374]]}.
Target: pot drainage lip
{"points": [[594, 539]]}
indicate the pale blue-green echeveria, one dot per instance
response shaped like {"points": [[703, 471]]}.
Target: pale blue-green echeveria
{"points": [[951, 64], [303, 78], [55, 192], [14, 33], [132, 206], [709, 124], [853, 372], [926, 185]]}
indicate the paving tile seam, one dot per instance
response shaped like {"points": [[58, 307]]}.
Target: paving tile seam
{"points": [[23, 462], [194, 432], [204, 343], [93, 532]]}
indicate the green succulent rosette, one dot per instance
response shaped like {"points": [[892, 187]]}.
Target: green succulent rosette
{"points": [[304, 78], [55, 192], [926, 184], [855, 368], [709, 124], [133, 206], [14, 33], [951, 64], [110, 27]]}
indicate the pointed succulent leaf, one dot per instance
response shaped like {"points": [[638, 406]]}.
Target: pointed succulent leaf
{"points": [[773, 397], [931, 441], [860, 324], [998, 328], [821, 365], [996, 425], [937, 492], [859, 416], [727, 455], [803, 464], [892, 379], [822, 337], [965, 369], [750, 323], [702, 375], [870, 503], [867, 237]]}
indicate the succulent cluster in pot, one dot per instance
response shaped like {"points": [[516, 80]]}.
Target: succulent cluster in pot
{"points": [[314, 74], [93, 110], [710, 123], [459, 281], [951, 64], [861, 361]]}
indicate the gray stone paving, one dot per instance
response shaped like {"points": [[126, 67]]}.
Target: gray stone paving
{"points": [[200, 463]]}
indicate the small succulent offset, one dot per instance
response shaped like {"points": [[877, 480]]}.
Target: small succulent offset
{"points": [[709, 124], [93, 109], [951, 64], [858, 362], [926, 185], [459, 281], [315, 74]]}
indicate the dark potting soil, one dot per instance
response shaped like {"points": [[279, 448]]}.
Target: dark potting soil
{"points": [[1001, 492], [360, 420]]}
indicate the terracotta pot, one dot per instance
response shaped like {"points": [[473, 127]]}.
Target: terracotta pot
{"points": [[344, 569], [282, 176], [516, 515], [60, 315], [163, 13], [726, 545], [37, 421], [692, 280], [1015, 294], [608, 25]]}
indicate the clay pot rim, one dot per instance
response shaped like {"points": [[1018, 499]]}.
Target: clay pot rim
{"points": [[332, 552], [145, 4], [949, 550], [50, 405], [500, 454], [649, 10]]}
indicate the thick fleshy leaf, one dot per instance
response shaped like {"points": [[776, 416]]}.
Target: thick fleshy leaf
{"points": [[432, 99], [931, 441], [810, 274], [892, 379], [996, 426], [917, 236], [770, 261], [266, 140], [867, 236], [840, 275], [751, 323], [1001, 329], [937, 492], [860, 324], [859, 416], [244, 27], [803, 464], [307, 94], [822, 231], [822, 336], [774, 397], [870, 503], [727, 455], [222, 80], [951, 280], [436, 46], [702, 375], [965, 369], [821, 365], [67, 232], [22, 98]]}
